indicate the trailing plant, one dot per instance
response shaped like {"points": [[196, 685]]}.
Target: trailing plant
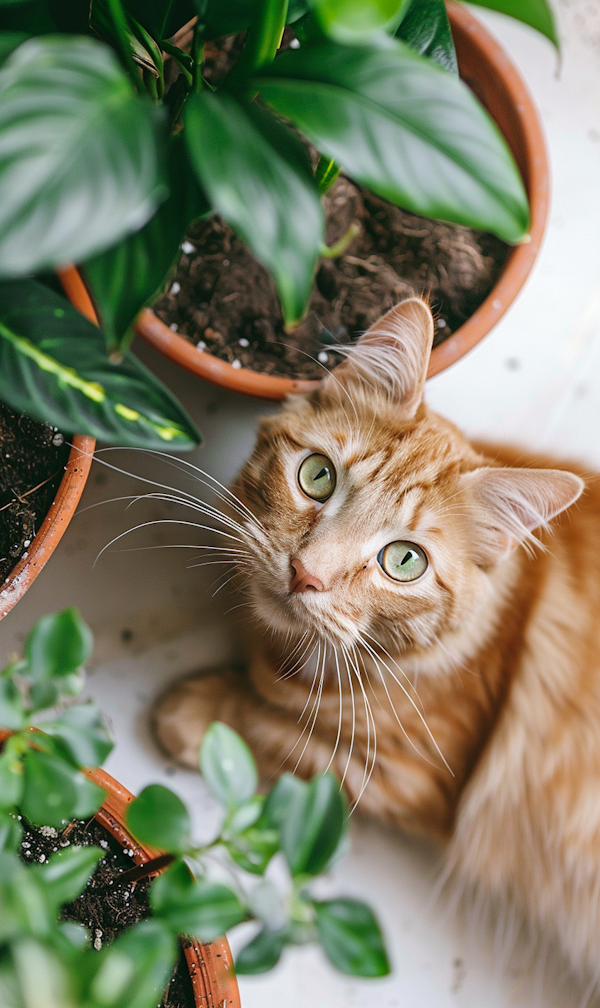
{"points": [[202, 889], [112, 141]]}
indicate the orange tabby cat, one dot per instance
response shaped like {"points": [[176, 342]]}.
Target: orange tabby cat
{"points": [[439, 642]]}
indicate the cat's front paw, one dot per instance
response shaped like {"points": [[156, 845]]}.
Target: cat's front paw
{"points": [[182, 714]]}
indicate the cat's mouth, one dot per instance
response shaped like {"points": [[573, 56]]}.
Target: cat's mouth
{"points": [[305, 611]]}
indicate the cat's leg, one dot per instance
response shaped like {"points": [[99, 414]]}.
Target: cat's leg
{"points": [[181, 717]]}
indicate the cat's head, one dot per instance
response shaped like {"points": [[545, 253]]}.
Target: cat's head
{"points": [[379, 517]]}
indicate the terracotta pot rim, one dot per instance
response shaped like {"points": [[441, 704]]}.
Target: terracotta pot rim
{"points": [[515, 272], [63, 506]]}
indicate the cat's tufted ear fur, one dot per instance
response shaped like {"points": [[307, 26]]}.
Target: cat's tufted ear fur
{"points": [[389, 362], [509, 504]]}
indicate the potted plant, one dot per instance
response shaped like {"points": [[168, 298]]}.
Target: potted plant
{"points": [[235, 350], [77, 849], [365, 88]]}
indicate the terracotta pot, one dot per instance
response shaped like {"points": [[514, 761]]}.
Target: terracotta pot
{"points": [[211, 966], [486, 68], [67, 497]]}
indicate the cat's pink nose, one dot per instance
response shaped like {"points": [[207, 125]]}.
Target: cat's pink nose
{"points": [[301, 580]]}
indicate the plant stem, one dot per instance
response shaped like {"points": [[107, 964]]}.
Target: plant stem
{"points": [[264, 37], [339, 247], [121, 26], [197, 58], [144, 870]]}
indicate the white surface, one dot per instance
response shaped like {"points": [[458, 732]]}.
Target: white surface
{"points": [[534, 380]]}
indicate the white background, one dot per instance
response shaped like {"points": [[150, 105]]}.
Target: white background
{"points": [[535, 381]]}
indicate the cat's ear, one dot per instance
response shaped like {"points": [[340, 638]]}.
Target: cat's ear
{"points": [[390, 360], [509, 504]]}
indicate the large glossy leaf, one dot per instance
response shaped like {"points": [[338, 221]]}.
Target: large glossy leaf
{"points": [[312, 825], [537, 13], [227, 766], [351, 937], [202, 909], [57, 645], [349, 21], [54, 367], [426, 29], [79, 160], [158, 817], [404, 128], [257, 176], [128, 276]]}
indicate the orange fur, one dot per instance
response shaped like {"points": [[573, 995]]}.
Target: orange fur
{"points": [[480, 680]]}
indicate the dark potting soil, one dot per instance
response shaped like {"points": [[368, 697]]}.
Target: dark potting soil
{"points": [[32, 460], [105, 907], [220, 298]]}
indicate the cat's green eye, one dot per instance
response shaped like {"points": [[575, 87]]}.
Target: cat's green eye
{"points": [[403, 561], [316, 477]]}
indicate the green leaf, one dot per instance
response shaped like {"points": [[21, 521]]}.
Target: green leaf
{"points": [[351, 937], [227, 766], [43, 694], [55, 792], [354, 21], [9, 41], [257, 176], [426, 29], [158, 817], [313, 824], [11, 780], [245, 815], [79, 162], [134, 970], [47, 985], [89, 796], [12, 712], [25, 909], [54, 367], [536, 13], [404, 128], [57, 645], [11, 833], [128, 276], [217, 18], [83, 730], [202, 909], [288, 791], [253, 849], [261, 954], [326, 173], [65, 875], [162, 18]]}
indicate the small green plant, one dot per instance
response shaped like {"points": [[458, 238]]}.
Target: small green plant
{"points": [[202, 890], [112, 141]]}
